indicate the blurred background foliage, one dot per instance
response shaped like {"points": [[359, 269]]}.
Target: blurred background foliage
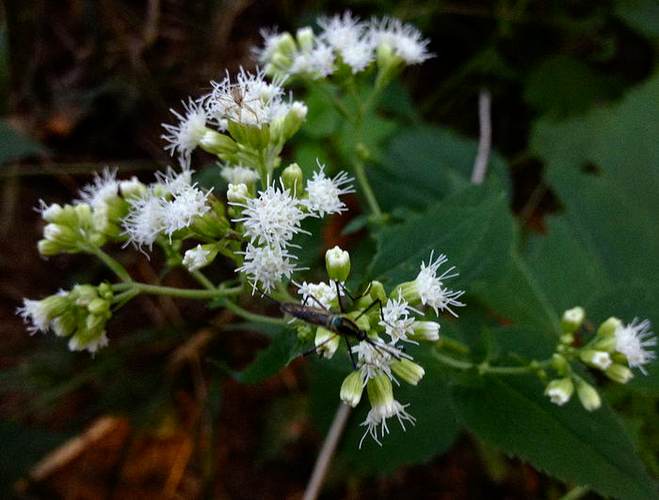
{"points": [[178, 406]]}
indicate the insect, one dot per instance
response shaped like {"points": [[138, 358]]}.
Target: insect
{"points": [[238, 101], [339, 324]]}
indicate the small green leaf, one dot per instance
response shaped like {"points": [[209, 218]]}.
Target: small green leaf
{"points": [[568, 442]]}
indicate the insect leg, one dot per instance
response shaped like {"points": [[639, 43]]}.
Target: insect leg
{"points": [[352, 355], [375, 302], [316, 301], [315, 348], [338, 296]]}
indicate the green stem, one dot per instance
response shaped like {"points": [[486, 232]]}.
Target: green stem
{"points": [[114, 266], [257, 318], [485, 368], [203, 280], [360, 174], [179, 292]]}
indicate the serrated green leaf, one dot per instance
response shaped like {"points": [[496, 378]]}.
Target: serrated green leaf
{"points": [[574, 445]]}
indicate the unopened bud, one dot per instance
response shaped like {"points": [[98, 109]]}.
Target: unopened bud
{"points": [[572, 319], [337, 263], [200, 256], [305, 37], [588, 395], [425, 330], [352, 389], [560, 390], [292, 177], [237, 193], [327, 342], [596, 359], [619, 373], [560, 364], [218, 144], [408, 370], [609, 327]]}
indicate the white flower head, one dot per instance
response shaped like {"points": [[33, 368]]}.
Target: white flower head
{"points": [[145, 220], [76, 343], [323, 294], [272, 218], [271, 38], [249, 100], [376, 420], [35, 315], [173, 182], [187, 204], [431, 287], [318, 63], [104, 188], [636, 342], [239, 174], [358, 55], [196, 258], [324, 192], [186, 135], [341, 31], [374, 357], [266, 266], [397, 321], [403, 39]]}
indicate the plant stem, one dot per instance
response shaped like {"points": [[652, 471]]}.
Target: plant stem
{"points": [[257, 318], [360, 173], [203, 280], [112, 264], [179, 292], [485, 368]]}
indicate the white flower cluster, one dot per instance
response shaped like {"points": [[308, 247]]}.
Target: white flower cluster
{"points": [[271, 219], [166, 206], [343, 40], [636, 342]]}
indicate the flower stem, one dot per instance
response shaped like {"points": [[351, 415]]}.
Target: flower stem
{"points": [[178, 292], [250, 316], [110, 262], [203, 280], [360, 174], [485, 368]]}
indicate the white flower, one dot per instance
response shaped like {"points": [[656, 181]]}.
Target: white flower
{"points": [[374, 357], [266, 266], [49, 212], [322, 293], [324, 193], [172, 182], [186, 135], [358, 55], [317, 63], [635, 341], [187, 204], [347, 35], [104, 187], [196, 258], [249, 100], [397, 321], [77, 343], [271, 39], [35, 314], [273, 218], [376, 420], [239, 174], [404, 39], [145, 220], [237, 193], [430, 287]]}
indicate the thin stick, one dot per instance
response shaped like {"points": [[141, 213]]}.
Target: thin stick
{"points": [[327, 452], [485, 141]]}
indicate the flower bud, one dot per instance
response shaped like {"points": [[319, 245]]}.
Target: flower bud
{"points": [[560, 390], [408, 370], [572, 319], [609, 327], [327, 342], [596, 359], [352, 388], [305, 38], [619, 373], [292, 178], [337, 263], [605, 343], [380, 393], [237, 193], [425, 330], [48, 248], [588, 395], [65, 324], [560, 364], [132, 188], [84, 294], [98, 307], [285, 44], [200, 256], [218, 144], [52, 212]]}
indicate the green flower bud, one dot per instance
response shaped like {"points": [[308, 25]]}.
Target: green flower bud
{"points": [[596, 359], [99, 307], [282, 129], [281, 61], [65, 324], [285, 44], [560, 364], [572, 319], [237, 193], [337, 263], [305, 38], [200, 256], [64, 236], [84, 215], [352, 389], [609, 327], [589, 397], [408, 370], [566, 339], [55, 305], [380, 392], [425, 330], [560, 390], [605, 343], [377, 292], [48, 248], [619, 373], [218, 144], [293, 178], [304, 332], [327, 342], [84, 294]]}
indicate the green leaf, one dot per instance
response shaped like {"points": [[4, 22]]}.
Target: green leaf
{"points": [[425, 164], [284, 348], [567, 442], [640, 15], [473, 228], [15, 145]]}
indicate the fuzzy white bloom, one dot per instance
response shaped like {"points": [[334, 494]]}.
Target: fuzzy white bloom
{"points": [[359, 55], [237, 193], [374, 357], [273, 218], [196, 258], [266, 266], [397, 322], [636, 342], [558, 396], [430, 287], [322, 293], [49, 212], [271, 39], [348, 36], [249, 100], [403, 39], [324, 193], [239, 174], [188, 203], [104, 187], [35, 314], [318, 62], [376, 420], [186, 135], [93, 345], [145, 220], [172, 182]]}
